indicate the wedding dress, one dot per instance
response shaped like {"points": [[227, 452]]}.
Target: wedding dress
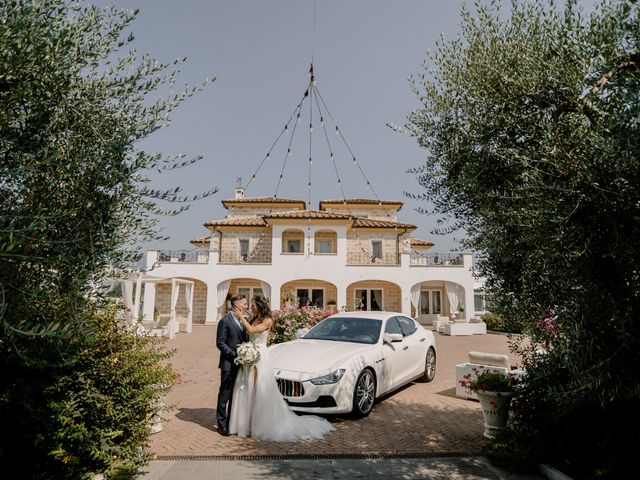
{"points": [[258, 409]]}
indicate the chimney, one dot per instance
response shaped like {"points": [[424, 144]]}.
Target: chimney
{"points": [[239, 192]]}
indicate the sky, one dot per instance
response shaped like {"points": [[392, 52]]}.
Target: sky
{"points": [[364, 52]]}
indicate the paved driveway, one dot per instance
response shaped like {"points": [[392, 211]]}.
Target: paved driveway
{"points": [[422, 418]]}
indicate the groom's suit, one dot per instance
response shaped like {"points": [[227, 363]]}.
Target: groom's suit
{"points": [[229, 335]]}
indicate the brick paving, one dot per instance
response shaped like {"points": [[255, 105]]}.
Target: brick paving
{"points": [[420, 418]]}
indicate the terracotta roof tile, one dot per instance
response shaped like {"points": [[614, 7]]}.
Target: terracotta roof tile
{"points": [[359, 201], [318, 214], [417, 243], [237, 222], [200, 240], [232, 201], [374, 223]]}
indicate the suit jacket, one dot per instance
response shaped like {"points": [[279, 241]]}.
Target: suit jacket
{"points": [[229, 335]]}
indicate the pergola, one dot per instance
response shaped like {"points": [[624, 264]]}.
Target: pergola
{"points": [[131, 293]]}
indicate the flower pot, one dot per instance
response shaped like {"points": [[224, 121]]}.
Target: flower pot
{"points": [[495, 411]]}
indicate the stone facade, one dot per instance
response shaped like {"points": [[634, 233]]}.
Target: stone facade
{"points": [[240, 211], [163, 302], [391, 294], [372, 213], [348, 267], [259, 246], [359, 249], [330, 290]]}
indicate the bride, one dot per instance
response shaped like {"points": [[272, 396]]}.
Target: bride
{"points": [[258, 410]]}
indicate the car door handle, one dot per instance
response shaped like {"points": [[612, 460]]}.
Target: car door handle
{"points": [[422, 339], [405, 347]]}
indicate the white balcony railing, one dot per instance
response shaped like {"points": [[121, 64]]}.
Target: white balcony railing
{"points": [[437, 259], [183, 256]]}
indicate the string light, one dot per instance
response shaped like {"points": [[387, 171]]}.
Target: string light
{"points": [[313, 94]]}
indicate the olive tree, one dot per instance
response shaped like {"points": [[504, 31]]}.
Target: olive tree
{"points": [[531, 124], [76, 197]]}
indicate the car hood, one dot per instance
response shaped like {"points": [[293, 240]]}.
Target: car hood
{"points": [[314, 356]]}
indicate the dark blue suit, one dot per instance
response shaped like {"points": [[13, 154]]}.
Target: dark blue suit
{"points": [[228, 336]]}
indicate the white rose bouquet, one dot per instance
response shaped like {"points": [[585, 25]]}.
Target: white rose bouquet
{"points": [[247, 354]]}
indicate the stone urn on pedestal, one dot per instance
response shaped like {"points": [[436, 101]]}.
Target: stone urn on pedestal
{"points": [[495, 411], [494, 389]]}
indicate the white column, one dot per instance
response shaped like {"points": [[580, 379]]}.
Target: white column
{"points": [[149, 301], [136, 302], [173, 321], [211, 314], [405, 296], [275, 296], [341, 296], [189, 287]]}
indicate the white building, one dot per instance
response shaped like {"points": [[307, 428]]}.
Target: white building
{"points": [[351, 254]]}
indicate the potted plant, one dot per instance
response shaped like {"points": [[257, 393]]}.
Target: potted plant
{"points": [[494, 389]]}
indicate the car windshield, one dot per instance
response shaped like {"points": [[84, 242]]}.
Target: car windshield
{"points": [[345, 329]]}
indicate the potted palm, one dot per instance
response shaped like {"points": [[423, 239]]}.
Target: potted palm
{"points": [[494, 389]]}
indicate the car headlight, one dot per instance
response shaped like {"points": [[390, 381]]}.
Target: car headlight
{"points": [[333, 377]]}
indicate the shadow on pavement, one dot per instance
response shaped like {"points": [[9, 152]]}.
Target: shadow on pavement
{"points": [[205, 417]]}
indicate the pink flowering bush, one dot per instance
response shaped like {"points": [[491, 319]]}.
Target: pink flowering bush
{"points": [[287, 321], [548, 324]]}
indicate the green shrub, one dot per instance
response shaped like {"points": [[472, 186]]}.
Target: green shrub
{"points": [[80, 404]]}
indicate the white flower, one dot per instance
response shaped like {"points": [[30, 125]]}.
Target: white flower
{"points": [[247, 354]]}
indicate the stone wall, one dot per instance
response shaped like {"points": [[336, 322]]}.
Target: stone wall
{"points": [[391, 294], [242, 212], [373, 213], [259, 246], [330, 290], [359, 248], [163, 302]]}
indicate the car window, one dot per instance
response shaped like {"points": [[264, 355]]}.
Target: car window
{"points": [[345, 329], [392, 326], [408, 326]]}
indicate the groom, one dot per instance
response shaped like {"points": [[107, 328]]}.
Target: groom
{"points": [[230, 333]]}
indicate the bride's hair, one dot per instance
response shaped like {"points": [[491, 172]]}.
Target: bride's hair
{"points": [[264, 310]]}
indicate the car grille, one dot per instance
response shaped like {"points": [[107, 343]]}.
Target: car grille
{"points": [[289, 388]]}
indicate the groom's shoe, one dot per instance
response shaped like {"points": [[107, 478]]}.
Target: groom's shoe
{"points": [[224, 432]]}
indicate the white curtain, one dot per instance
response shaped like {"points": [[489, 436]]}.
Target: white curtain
{"points": [[452, 295], [223, 290], [189, 287], [175, 291], [127, 296], [266, 290], [136, 305], [415, 298], [376, 300]]}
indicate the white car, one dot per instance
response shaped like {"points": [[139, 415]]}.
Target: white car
{"points": [[348, 360]]}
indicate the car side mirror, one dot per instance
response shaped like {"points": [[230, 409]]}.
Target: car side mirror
{"points": [[301, 332], [392, 337]]}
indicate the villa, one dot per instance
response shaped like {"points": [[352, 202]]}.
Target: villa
{"points": [[349, 254]]}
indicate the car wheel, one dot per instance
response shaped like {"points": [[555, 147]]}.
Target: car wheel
{"points": [[429, 365], [364, 394]]}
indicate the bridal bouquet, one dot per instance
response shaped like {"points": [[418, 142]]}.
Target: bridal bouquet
{"points": [[247, 354]]}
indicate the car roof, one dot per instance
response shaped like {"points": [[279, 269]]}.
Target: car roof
{"points": [[368, 315]]}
